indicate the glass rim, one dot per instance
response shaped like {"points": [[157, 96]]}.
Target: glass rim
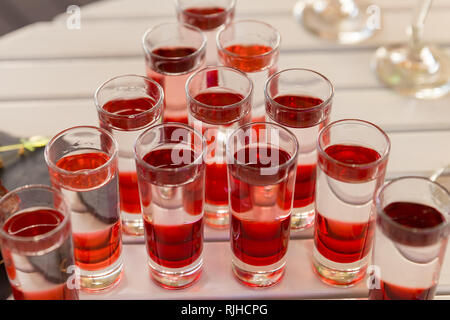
{"points": [[385, 217], [158, 104], [292, 158], [382, 158], [319, 106], [83, 171], [198, 159], [247, 97], [222, 49], [231, 6], [39, 237], [180, 24]]}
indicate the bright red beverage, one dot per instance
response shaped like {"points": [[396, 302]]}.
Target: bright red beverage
{"points": [[97, 247], [208, 16], [36, 244], [215, 110], [173, 52], [300, 99], [171, 181], [86, 172], [348, 177], [410, 274], [252, 47], [127, 105], [261, 192]]}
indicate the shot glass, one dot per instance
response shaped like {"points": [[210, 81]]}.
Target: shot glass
{"points": [[82, 162], [36, 244], [126, 106], [171, 175], [173, 51], [410, 239], [261, 159], [352, 159], [252, 47], [219, 101], [209, 16], [301, 99]]}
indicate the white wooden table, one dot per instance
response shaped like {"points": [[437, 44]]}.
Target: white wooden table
{"points": [[48, 75]]}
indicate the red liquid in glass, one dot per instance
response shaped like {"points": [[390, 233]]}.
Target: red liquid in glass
{"points": [[97, 249], [411, 215], [231, 111], [259, 242], [305, 185], [303, 116], [129, 192], [247, 58], [31, 224], [350, 155], [120, 111], [171, 67], [345, 242], [392, 292], [216, 184], [175, 246], [207, 18]]}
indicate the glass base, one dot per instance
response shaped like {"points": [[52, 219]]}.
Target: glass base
{"points": [[180, 278], [423, 73], [132, 224], [302, 218], [341, 275], [258, 276], [217, 217], [346, 22], [101, 280]]}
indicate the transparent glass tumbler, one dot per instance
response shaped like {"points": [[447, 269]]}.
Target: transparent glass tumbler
{"points": [[410, 239], [352, 160], [262, 161], [300, 99], [219, 101], [126, 106], [171, 175], [252, 47], [82, 162], [173, 51], [36, 244], [209, 16]]}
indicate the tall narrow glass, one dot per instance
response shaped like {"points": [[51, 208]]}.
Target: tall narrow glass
{"points": [[209, 16], [252, 47], [171, 175], [261, 159], [410, 239], [219, 101], [173, 51], [82, 162], [301, 99], [36, 244], [126, 106], [352, 162]]}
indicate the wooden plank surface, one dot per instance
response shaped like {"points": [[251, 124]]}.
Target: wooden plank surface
{"points": [[122, 38]]}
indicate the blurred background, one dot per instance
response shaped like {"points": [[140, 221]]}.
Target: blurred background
{"points": [[15, 14]]}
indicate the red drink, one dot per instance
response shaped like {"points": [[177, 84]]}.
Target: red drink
{"points": [[409, 215], [260, 220], [170, 67], [171, 181], [45, 277], [96, 234], [206, 18], [337, 240], [129, 192], [247, 58], [219, 101], [174, 246]]}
